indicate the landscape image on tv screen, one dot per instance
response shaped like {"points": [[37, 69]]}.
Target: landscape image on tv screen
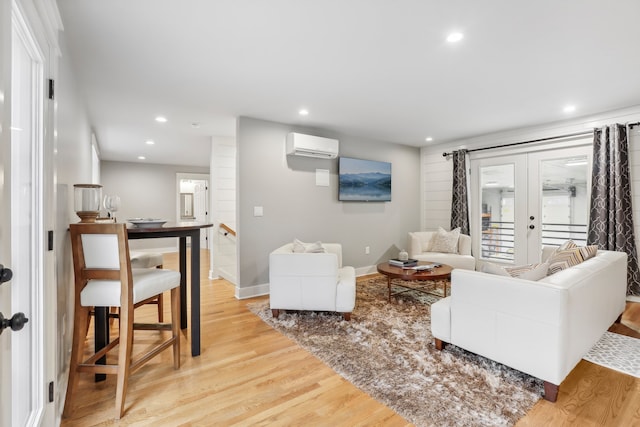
{"points": [[364, 180]]}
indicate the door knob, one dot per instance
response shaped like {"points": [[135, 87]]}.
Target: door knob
{"points": [[532, 226], [16, 322], [5, 274], [532, 218]]}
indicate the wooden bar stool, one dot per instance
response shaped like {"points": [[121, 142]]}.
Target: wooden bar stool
{"points": [[103, 277]]}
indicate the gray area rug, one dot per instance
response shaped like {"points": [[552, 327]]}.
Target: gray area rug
{"points": [[387, 351], [617, 352]]}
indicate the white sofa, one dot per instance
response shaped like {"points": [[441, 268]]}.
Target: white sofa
{"points": [[419, 248], [541, 328], [311, 281]]}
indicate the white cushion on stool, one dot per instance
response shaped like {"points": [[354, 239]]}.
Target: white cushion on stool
{"points": [[147, 282], [145, 259]]}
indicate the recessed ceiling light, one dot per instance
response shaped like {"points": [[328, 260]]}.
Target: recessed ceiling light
{"points": [[149, 142], [303, 112], [142, 158], [569, 109], [428, 139], [161, 119], [455, 37]]}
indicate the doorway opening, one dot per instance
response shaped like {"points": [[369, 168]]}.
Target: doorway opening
{"points": [[193, 202]]}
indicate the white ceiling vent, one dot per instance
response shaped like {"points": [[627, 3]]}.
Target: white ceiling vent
{"points": [[299, 144]]}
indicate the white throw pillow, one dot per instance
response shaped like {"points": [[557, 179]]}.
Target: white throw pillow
{"points": [[302, 247], [528, 272], [445, 241], [298, 246], [491, 268]]}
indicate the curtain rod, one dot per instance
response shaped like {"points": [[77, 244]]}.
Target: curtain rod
{"points": [[569, 135]]}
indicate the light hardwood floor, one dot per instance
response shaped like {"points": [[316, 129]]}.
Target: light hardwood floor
{"points": [[248, 374]]}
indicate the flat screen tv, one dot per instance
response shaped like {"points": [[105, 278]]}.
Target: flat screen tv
{"points": [[364, 180]]}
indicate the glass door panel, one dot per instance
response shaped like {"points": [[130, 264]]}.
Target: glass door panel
{"points": [[559, 188], [499, 196], [497, 184], [564, 200]]}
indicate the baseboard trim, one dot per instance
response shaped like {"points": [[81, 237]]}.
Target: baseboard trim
{"points": [[365, 271], [252, 291]]}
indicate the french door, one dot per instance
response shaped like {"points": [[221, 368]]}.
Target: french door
{"points": [[522, 201]]}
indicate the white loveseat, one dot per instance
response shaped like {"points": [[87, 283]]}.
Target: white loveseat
{"points": [[311, 281], [542, 328], [420, 249]]}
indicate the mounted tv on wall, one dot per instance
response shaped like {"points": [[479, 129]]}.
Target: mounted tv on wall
{"points": [[364, 180]]}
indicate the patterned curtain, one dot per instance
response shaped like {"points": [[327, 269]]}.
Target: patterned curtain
{"points": [[611, 216], [459, 202]]}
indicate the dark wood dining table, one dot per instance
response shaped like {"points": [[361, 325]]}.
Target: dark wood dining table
{"points": [[182, 230]]}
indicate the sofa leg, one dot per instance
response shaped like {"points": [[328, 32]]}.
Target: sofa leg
{"points": [[550, 391], [346, 316], [439, 343], [275, 312]]}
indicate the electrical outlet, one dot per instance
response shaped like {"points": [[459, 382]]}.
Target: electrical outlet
{"points": [[366, 250]]}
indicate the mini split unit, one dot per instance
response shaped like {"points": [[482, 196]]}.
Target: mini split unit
{"points": [[299, 144]]}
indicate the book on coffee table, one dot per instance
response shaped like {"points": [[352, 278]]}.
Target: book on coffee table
{"points": [[404, 264]]}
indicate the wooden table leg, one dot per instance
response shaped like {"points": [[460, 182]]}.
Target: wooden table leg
{"points": [[389, 286]]}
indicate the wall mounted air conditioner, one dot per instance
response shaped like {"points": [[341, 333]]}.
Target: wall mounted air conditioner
{"points": [[299, 144]]}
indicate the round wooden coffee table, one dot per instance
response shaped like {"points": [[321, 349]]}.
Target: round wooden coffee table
{"points": [[442, 272]]}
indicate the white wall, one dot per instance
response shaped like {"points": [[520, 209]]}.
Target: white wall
{"points": [[223, 208], [295, 207], [73, 164], [146, 191]]}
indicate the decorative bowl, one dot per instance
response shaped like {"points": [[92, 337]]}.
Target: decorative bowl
{"points": [[147, 222]]}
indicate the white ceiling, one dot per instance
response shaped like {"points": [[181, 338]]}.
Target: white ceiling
{"points": [[372, 68]]}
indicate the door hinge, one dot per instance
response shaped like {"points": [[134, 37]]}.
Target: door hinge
{"points": [[51, 87], [50, 240], [51, 391]]}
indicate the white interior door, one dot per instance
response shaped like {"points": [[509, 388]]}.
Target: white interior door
{"points": [[195, 187], [523, 201], [201, 209], [25, 373]]}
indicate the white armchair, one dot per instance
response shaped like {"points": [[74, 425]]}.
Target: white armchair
{"points": [[311, 281], [420, 249]]}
